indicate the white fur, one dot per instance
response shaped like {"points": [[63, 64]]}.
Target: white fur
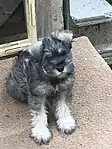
{"points": [[44, 70], [65, 68], [40, 132], [59, 50], [56, 72], [27, 61], [65, 121], [64, 35], [35, 46]]}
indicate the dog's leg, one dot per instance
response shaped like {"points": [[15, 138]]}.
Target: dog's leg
{"points": [[40, 131], [37, 100], [65, 121]]}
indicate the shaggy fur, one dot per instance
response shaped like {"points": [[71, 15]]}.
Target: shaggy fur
{"points": [[44, 73]]}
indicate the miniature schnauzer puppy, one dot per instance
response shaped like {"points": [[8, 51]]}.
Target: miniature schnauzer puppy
{"points": [[43, 73]]}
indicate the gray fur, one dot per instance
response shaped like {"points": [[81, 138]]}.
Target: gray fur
{"points": [[38, 72]]}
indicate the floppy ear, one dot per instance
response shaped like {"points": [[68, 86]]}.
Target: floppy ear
{"points": [[35, 49], [65, 36], [45, 42]]}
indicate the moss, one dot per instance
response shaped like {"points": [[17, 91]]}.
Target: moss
{"points": [[109, 1]]}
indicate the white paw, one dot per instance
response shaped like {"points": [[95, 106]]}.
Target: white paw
{"points": [[66, 125], [41, 135]]}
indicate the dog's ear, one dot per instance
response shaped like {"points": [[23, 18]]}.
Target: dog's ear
{"points": [[66, 36], [35, 49], [46, 43]]}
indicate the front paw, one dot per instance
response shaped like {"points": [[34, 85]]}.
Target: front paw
{"points": [[66, 125], [41, 135]]}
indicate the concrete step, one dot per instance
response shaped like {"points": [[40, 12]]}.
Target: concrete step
{"points": [[89, 12], [94, 20], [92, 106]]}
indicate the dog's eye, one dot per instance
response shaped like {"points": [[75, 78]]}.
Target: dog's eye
{"points": [[48, 57]]}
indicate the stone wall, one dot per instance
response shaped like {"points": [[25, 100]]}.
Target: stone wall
{"points": [[49, 16]]}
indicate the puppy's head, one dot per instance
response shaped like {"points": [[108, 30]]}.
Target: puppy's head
{"points": [[56, 57]]}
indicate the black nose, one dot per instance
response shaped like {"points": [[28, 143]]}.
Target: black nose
{"points": [[60, 69]]}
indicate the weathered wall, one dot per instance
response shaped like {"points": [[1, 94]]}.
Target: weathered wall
{"points": [[100, 35], [49, 16], [57, 14]]}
